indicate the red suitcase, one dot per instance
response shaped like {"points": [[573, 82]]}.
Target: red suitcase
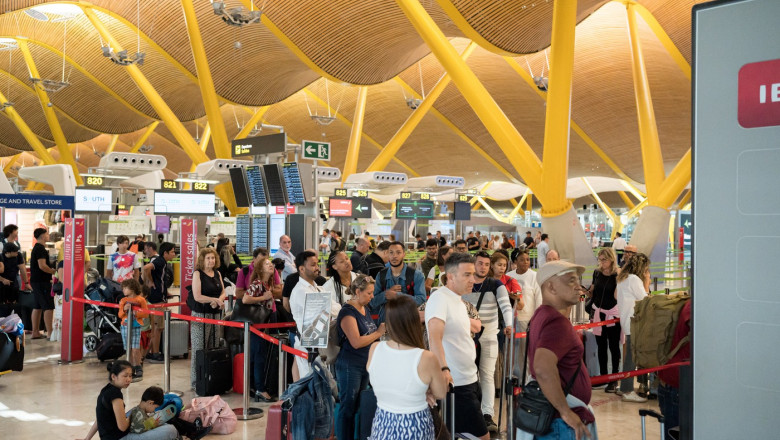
{"points": [[278, 423], [238, 373]]}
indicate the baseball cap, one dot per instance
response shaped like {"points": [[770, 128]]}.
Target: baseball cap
{"points": [[555, 268]]}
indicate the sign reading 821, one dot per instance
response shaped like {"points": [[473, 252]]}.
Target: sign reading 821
{"points": [[169, 184]]}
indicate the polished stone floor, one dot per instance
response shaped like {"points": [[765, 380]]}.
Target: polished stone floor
{"points": [[49, 400]]}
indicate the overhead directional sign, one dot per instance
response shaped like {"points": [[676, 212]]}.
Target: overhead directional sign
{"points": [[266, 144], [361, 207], [316, 150]]}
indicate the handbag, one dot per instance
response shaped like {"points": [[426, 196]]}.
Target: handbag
{"points": [[534, 413]]}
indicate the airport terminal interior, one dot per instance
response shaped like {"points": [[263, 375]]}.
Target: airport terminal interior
{"points": [[332, 125]]}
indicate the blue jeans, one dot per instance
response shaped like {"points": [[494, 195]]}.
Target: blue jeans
{"points": [[559, 430], [669, 402], [352, 379], [259, 350]]}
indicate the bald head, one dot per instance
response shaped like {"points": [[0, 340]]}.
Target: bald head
{"points": [[285, 243], [552, 255]]}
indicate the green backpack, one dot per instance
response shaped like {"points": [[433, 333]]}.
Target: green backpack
{"points": [[652, 329]]}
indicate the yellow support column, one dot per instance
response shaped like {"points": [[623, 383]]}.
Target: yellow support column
{"points": [[177, 129], [403, 133], [684, 201], [250, 124], [491, 211], [626, 199], [676, 182], [11, 162], [652, 159], [555, 165], [51, 116], [28, 134], [353, 150], [500, 127], [529, 203], [149, 130], [112, 144], [206, 83]]}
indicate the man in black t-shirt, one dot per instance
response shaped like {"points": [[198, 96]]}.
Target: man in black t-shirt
{"points": [[529, 241], [154, 278], [40, 281], [11, 261], [472, 242]]}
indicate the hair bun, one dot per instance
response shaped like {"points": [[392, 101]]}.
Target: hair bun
{"points": [[109, 366]]}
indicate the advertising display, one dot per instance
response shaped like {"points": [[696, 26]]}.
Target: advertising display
{"points": [[254, 178], [162, 224], [339, 207], [36, 201], [413, 209], [316, 319], [292, 181], [189, 255], [183, 203], [71, 348], [93, 200]]}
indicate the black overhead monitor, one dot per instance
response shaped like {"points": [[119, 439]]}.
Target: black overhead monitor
{"points": [[463, 211], [293, 183], [254, 177], [413, 209], [277, 196], [240, 187], [243, 234]]}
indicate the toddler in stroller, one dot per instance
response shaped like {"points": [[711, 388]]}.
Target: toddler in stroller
{"points": [[102, 321]]}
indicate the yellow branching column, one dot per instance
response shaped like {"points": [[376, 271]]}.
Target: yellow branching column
{"points": [[353, 150], [177, 129], [51, 116], [149, 130]]}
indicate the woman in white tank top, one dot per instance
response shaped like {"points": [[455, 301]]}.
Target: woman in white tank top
{"points": [[403, 376]]}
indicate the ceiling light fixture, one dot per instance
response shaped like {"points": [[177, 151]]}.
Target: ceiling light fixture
{"points": [[5, 105], [413, 103], [145, 148], [236, 16], [322, 120], [50, 85], [103, 172], [121, 57], [195, 180]]}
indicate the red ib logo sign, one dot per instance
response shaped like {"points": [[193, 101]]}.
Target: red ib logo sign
{"points": [[759, 94]]}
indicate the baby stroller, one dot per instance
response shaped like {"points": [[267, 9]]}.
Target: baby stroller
{"points": [[101, 320]]}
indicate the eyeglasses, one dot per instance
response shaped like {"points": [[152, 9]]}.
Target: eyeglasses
{"points": [[362, 281], [602, 259]]}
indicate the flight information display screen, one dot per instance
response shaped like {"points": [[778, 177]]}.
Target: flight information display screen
{"points": [[243, 234], [277, 196], [240, 187], [292, 181], [254, 177], [414, 209], [259, 231]]}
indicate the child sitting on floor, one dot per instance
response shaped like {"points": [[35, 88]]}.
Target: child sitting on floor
{"points": [[151, 413]]}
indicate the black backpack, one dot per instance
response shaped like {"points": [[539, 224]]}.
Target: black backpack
{"points": [[409, 276]]}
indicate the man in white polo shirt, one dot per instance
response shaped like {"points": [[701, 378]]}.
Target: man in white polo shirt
{"points": [[450, 340]]}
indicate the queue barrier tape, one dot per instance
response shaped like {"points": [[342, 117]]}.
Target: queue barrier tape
{"points": [[521, 335], [255, 327]]}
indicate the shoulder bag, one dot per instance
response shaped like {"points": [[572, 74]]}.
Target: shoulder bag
{"points": [[534, 413]]}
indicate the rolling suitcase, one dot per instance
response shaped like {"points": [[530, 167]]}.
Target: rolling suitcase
{"points": [[648, 412], [213, 368], [110, 347], [591, 354], [238, 373], [279, 422], [180, 339]]}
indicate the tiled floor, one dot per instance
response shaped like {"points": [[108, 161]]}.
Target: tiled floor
{"points": [[48, 400]]}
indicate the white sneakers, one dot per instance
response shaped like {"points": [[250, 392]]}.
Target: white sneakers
{"points": [[633, 397]]}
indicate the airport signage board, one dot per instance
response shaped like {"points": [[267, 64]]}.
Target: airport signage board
{"points": [[316, 150], [268, 144], [413, 209]]}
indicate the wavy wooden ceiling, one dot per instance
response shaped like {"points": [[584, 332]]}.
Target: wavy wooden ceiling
{"points": [[358, 42]]}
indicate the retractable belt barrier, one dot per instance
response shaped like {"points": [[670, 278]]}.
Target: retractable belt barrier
{"points": [[521, 335], [255, 327]]}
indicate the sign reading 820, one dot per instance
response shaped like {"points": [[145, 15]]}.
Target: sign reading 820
{"points": [[93, 181]]}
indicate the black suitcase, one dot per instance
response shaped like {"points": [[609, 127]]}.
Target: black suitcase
{"points": [[11, 352], [213, 369], [110, 347]]}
